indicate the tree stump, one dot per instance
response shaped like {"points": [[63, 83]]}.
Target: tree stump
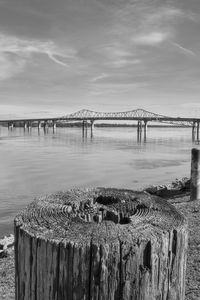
{"points": [[100, 243]]}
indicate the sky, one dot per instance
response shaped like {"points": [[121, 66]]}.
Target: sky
{"points": [[57, 57]]}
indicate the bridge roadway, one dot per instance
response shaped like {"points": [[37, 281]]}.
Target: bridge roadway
{"points": [[142, 117]]}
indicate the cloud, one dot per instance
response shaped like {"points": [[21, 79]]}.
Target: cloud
{"points": [[125, 62], [10, 65], [150, 39], [16, 52], [104, 89], [117, 55], [138, 23], [99, 77], [163, 15], [115, 50], [184, 50]]}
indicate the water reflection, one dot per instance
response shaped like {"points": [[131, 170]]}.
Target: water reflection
{"points": [[87, 133]]}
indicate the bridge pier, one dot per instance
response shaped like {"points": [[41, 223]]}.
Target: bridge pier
{"points": [[92, 124], [84, 125], [54, 125], [139, 126], [46, 125], [29, 125], [145, 130], [84, 129], [193, 130], [145, 126], [10, 125], [197, 131], [139, 136], [39, 125]]}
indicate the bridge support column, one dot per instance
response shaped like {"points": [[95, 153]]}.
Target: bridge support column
{"points": [[10, 125], [139, 126], [145, 126], [84, 124], [54, 125], [193, 131], [197, 131], [139, 132], [145, 130], [92, 124], [195, 175], [91, 127], [39, 125], [46, 125], [84, 129], [29, 125]]}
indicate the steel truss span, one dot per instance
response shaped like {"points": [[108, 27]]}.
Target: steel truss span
{"points": [[138, 114]]}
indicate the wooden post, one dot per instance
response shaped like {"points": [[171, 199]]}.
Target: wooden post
{"points": [[105, 244], [195, 175]]}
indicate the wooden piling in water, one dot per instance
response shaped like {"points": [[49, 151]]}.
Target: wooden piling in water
{"points": [[105, 244], [195, 175]]}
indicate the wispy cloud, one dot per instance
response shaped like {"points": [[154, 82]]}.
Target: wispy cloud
{"points": [[139, 23], [106, 89], [10, 65], [184, 50], [99, 77], [162, 16], [118, 55], [124, 62], [16, 52], [115, 50], [152, 38]]}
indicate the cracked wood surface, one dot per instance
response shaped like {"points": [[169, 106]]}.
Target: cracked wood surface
{"points": [[100, 244]]}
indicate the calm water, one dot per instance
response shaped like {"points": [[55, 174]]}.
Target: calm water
{"points": [[36, 163]]}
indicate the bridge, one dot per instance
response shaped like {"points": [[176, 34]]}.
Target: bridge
{"points": [[143, 117]]}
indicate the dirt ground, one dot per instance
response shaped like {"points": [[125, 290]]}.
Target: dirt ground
{"points": [[191, 209], [7, 284]]}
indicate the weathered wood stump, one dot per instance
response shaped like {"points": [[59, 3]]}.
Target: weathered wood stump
{"points": [[100, 244]]}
